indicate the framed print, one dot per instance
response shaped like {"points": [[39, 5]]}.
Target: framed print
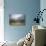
{"points": [[17, 19]]}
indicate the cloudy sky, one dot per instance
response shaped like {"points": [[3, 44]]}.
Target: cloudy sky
{"points": [[17, 16]]}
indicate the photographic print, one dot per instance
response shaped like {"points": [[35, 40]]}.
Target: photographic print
{"points": [[17, 19]]}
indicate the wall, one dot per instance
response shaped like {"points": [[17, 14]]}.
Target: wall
{"points": [[27, 7], [43, 6]]}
